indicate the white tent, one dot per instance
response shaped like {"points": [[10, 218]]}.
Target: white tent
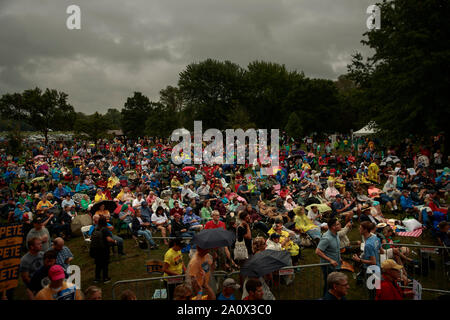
{"points": [[370, 128]]}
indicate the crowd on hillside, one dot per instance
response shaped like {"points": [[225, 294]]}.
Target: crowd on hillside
{"points": [[313, 199]]}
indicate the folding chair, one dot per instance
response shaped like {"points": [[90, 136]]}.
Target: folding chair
{"points": [[85, 233]]}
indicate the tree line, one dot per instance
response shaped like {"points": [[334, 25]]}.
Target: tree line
{"points": [[402, 86]]}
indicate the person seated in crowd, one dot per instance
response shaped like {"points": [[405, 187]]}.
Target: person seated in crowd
{"points": [[273, 243], [100, 196], [102, 211], [60, 192], [68, 202], [331, 192], [176, 209], [289, 204], [381, 196], [442, 234], [179, 228], [304, 225], [409, 206], [146, 213], [44, 204], [192, 220], [162, 223], [19, 212], [342, 209], [139, 228]]}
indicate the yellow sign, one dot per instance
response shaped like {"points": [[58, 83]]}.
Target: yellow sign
{"points": [[11, 237]]}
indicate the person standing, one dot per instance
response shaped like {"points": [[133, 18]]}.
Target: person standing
{"points": [[338, 286], [100, 240], [173, 264], [59, 289], [64, 255], [390, 276], [40, 231], [371, 253], [255, 290], [229, 287], [329, 250], [31, 262], [40, 278], [199, 272]]}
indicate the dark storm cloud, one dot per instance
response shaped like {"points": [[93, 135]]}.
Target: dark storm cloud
{"points": [[139, 45]]}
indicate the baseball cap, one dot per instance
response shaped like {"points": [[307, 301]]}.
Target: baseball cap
{"points": [[188, 209], [177, 215], [56, 272], [230, 283], [390, 264]]}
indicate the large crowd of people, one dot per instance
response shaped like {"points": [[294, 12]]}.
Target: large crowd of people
{"points": [[321, 189]]}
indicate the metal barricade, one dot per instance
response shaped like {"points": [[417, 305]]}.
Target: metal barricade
{"points": [[306, 284], [431, 267]]}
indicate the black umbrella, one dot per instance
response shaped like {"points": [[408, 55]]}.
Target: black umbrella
{"points": [[97, 157], [265, 262], [109, 205], [214, 238]]}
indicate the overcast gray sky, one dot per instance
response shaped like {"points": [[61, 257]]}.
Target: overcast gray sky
{"points": [[143, 45]]}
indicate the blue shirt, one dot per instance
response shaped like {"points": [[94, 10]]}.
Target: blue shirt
{"points": [[221, 297], [330, 245], [93, 228], [372, 249]]}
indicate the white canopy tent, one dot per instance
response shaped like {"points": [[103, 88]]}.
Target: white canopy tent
{"points": [[370, 128]]}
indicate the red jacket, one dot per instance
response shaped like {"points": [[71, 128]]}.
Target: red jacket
{"points": [[389, 291]]}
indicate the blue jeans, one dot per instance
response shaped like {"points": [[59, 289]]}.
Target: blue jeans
{"points": [[314, 233], [119, 243], [148, 235]]}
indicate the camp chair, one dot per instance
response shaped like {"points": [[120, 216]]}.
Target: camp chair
{"points": [[85, 233], [120, 225], [136, 236]]}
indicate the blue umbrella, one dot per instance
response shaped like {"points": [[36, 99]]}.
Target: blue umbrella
{"points": [[214, 238], [266, 262]]}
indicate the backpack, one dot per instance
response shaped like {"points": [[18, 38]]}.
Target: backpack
{"points": [[97, 242]]}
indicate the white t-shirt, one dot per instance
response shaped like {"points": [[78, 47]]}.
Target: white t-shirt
{"points": [[158, 219], [137, 203]]}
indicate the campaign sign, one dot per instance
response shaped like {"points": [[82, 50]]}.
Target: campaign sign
{"points": [[11, 237]]}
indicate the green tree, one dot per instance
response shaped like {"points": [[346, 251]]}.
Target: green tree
{"points": [[294, 126], [113, 118], [94, 126], [42, 110], [267, 93], [208, 90], [134, 115], [239, 118], [406, 80]]}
